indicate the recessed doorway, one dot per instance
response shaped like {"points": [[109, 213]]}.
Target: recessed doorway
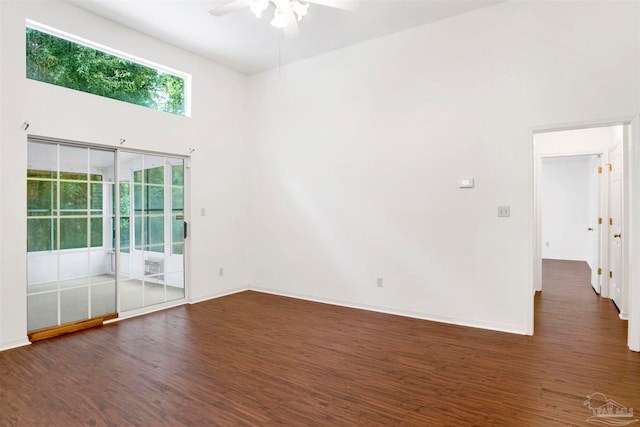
{"points": [[586, 222]]}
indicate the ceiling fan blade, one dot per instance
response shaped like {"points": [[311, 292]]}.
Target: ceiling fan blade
{"points": [[337, 4], [229, 7], [291, 30]]}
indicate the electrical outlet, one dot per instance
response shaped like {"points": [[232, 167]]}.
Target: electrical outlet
{"points": [[221, 271], [504, 211], [379, 282]]}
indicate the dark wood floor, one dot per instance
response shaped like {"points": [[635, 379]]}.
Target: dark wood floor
{"points": [[252, 359]]}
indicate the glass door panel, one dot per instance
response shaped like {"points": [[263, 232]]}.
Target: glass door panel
{"points": [[68, 217], [151, 250]]}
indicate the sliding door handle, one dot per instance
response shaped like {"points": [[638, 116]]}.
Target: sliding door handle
{"points": [[186, 229]]}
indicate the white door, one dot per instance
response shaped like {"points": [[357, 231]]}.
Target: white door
{"points": [[615, 228], [593, 229]]}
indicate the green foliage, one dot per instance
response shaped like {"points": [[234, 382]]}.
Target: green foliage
{"points": [[61, 62]]}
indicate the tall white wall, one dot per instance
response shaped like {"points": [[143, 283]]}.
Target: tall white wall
{"points": [[352, 158], [565, 208], [355, 156], [215, 131]]}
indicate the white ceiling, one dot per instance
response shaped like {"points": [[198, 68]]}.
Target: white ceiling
{"points": [[249, 45]]}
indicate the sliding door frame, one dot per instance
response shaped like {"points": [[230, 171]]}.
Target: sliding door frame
{"points": [[116, 217]]}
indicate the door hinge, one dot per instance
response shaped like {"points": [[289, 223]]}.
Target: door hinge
{"points": [[610, 221], [599, 220], [611, 275], [610, 167], [600, 272], [599, 169]]}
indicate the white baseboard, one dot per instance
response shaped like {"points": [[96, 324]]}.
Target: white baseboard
{"points": [[472, 323], [14, 344], [219, 294], [130, 314]]}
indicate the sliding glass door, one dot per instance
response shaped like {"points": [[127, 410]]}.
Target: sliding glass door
{"points": [[95, 249], [151, 249]]}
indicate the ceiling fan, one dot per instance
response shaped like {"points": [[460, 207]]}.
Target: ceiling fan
{"points": [[286, 13]]}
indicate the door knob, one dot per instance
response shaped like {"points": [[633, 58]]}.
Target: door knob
{"points": [[617, 235]]}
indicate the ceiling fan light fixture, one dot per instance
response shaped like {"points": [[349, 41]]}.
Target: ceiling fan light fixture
{"points": [[259, 6], [279, 19], [299, 9], [286, 12]]}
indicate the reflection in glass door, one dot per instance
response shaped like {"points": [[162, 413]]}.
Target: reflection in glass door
{"points": [[69, 275], [151, 249]]}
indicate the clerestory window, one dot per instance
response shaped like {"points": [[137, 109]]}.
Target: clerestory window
{"points": [[65, 62]]}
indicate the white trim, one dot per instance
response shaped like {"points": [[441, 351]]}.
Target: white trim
{"points": [[15, 344], [115, 52], [84, 144], [220, 294], [633, 231], [631, 271], [459, 321], [587, 124]]}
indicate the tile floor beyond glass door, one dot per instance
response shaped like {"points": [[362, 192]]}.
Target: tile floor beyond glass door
{"points": [[43, 308]]}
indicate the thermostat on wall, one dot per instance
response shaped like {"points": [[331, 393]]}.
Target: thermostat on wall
{"points": [[465, 183]]}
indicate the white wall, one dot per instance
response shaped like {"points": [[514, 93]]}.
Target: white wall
{"points": [[355, 155], [215, 130], [577, 141], [565, 208]]}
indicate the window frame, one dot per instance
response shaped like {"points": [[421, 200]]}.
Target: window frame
{"points": [[57, 213]]}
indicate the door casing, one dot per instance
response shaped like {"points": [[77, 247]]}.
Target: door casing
{"points": [[631, 208]]}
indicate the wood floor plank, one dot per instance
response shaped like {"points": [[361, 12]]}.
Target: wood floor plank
{"points": [[254, 359]]}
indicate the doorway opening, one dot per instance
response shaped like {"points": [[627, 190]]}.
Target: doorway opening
{"points": [[581, 205], [572, 199]]}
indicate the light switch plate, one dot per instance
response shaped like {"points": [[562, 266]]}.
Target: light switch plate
{"points": [[465, 183]]}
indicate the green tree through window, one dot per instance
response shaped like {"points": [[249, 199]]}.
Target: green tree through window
{"points": [[61, 62]]}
